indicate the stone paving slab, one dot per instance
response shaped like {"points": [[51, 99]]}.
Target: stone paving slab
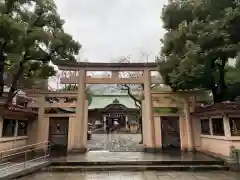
{"points": [[145, 175], [12, 170], [115, 142]]}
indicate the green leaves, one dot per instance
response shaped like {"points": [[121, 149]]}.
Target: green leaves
{"points": [[31, 35], [201, 37]]}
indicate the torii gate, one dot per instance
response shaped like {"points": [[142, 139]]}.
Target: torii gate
{"points": [[79, 77]]}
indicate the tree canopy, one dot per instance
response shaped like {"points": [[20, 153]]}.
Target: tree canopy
{"points": [[31, 35], [201, 37]]}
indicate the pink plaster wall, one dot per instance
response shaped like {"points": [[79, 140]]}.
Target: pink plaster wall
{"points": [[213, 144], [216, 146], [236, 144], [12, 143]]}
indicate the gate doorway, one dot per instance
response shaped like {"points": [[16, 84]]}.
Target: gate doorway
{"points": [[58, 135], [170, 133]]}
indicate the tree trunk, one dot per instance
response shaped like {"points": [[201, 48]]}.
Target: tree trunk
{"points": [[222, 85], [13, 88], [219, 88], [215, 94], [2, 62]]}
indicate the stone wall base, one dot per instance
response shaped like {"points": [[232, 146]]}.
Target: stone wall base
{"points": [[77, 150], [152, 150]]}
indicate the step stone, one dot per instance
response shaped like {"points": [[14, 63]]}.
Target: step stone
{"points": [[136, 168]]}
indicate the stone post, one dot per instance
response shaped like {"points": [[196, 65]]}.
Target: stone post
{"points": [[148, 115], [40, 120], [1, 125], [78, 140], [85, 126], [188, 124], [16, 129], [158, 132], [226, 124], [104, 122], [126, 121]]}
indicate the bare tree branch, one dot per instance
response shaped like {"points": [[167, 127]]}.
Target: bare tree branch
{"points": [[137, 102]]}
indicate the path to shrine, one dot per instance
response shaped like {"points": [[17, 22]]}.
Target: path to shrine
{"points": [[115, 143]]}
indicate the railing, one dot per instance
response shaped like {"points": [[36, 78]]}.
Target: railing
{"points": [[24, 156], [235, 154]]}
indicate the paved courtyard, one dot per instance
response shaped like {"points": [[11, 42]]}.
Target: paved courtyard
{"points": [[115, 142], [147, 175]]}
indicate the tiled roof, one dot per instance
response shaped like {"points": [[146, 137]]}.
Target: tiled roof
{"points": [[14, 108], [102, 101], [99, 102], [223, 107]]}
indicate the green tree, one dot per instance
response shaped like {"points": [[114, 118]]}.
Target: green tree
{"points": [[39, 39], [201, 37], [10, 29]]}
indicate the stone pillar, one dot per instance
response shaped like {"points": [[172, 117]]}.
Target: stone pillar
{"points": [[40, 120], [211, 126], [183, 134], [188, 124], [71, 133], [31, 131], [126, 121], [148, 116], [85, 126], [1, 125], [79, 144], [227, 129], [158, 133], [42, 124], [104, 122], [196, 124], [16, 129]]}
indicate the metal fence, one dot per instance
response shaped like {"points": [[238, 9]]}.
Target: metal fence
{"points": [[24, 157]]}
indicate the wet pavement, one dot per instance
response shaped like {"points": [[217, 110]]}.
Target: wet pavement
{"points": [[115, 143], [15, 168], [145, 175], [105, 156]]}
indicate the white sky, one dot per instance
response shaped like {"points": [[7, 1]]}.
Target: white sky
{"points": [[108, 29]]}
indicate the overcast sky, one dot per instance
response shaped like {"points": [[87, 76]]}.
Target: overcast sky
{"points": [[108, 29]]}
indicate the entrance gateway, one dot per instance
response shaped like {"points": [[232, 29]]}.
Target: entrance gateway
{"points": [[82, 79], [153, 121]]}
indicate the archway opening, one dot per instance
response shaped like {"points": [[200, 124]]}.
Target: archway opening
{"points": [[170, 133], [114, 122]]}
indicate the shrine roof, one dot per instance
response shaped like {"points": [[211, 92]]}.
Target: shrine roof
{"points": [[100, 102], [219, 108], [65, 65], [17, 111]]}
